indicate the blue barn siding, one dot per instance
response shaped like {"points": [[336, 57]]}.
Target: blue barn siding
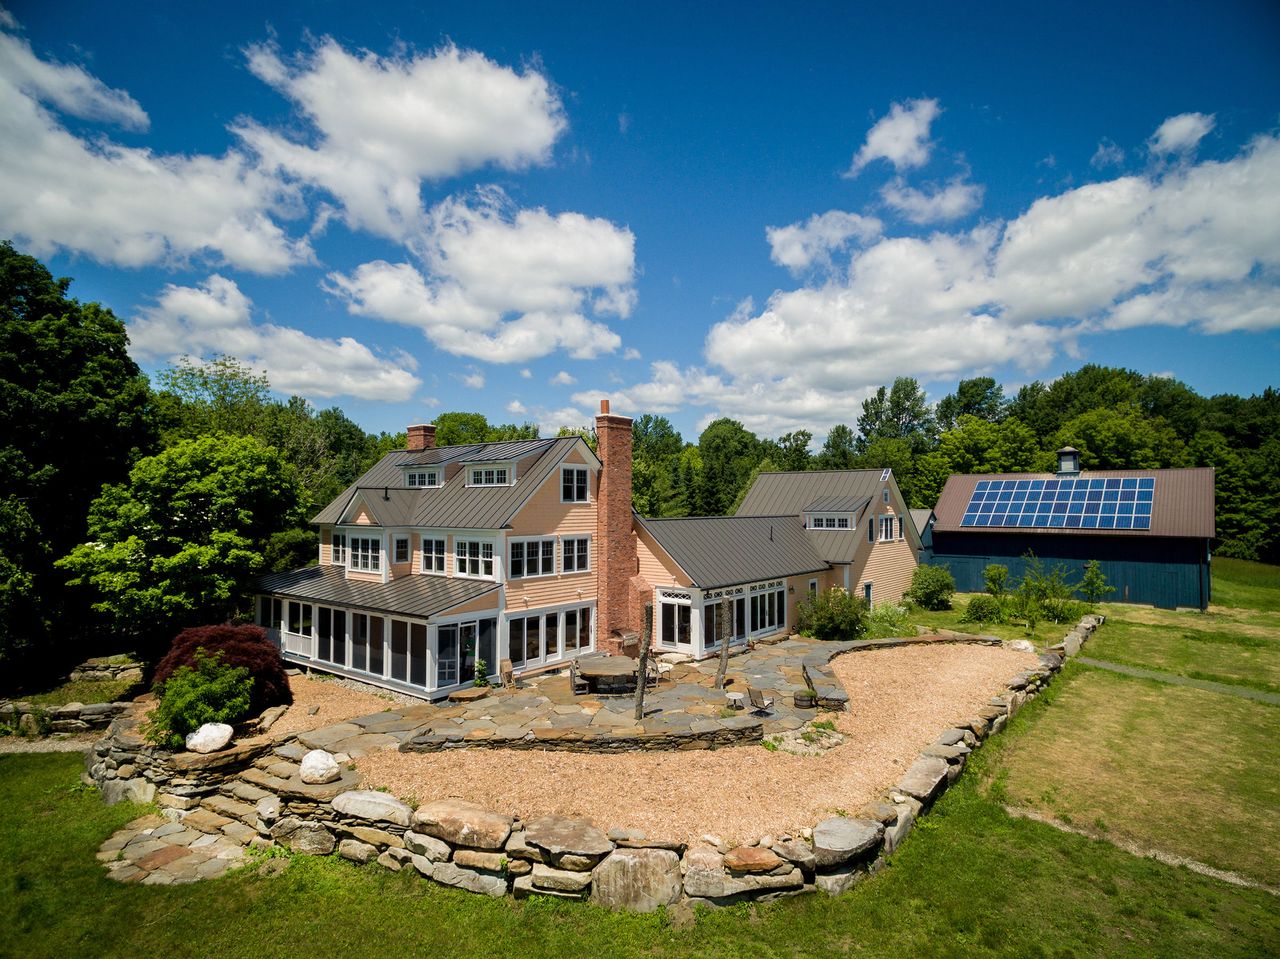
{"points": [[1161, 572]]}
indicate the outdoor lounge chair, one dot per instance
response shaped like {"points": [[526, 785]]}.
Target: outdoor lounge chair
{"points": [[507, 675], [760, 703]]}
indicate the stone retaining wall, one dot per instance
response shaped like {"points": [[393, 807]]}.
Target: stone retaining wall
{"points": [[744, 729], [32, 720], [106, 668], [255, 795]]}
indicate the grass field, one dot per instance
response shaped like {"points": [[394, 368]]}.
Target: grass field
{"points": [[84, 692], [1240, 584]]}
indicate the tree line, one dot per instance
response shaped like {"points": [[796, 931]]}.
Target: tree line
{"points": [[136, 508]]}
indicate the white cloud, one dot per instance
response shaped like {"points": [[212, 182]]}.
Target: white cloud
{"points": [[1107, 154], [473, 378], [802, 245], [1194, 246], [631, 353], [902, 137], [526, 374], [383, 125], [550, 421], [563, 378], [216, 317], [1180, 134], [125, 206], [958, 198], [516, 408], [504, 285]]}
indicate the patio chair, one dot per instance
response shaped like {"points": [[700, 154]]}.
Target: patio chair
{"points": [[651, 674], [577, 685], [760, 703], [507, 675]]}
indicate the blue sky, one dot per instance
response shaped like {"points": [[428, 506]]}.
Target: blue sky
{"points": [[760, 211]]}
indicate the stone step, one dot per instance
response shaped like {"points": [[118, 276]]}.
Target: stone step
{"points": [[205, 821], [239, 832], [230, 809], [282, 769], [263, 779], [245, 792]]}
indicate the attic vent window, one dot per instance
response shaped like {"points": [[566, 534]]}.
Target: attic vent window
{"points": [[422, 478]]}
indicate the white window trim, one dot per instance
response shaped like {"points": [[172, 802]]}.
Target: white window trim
{"points": [[396, 540], [351, 552], [333, 555], [564, 570], [890, 517], [575, 467], [820, 521], [443, 540], [555, 547], [432, 472], [510, 467], [482, 541]]}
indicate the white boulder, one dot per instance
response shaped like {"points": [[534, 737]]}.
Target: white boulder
{"points": [[319, 766], [209, 738]]}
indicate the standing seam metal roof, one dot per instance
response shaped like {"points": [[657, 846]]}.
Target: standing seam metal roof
{"points": [[775, 494], [456, 505], [418, 596], [718, 551]]}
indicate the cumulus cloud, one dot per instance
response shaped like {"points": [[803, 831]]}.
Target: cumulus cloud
{"points": [[383, 125], [936, 204], [216, 317], [125, 206], [516, 408], [902, 137], [563, 378], [803, 245], [472, 378], [1194, 246], [631, 353], [1180, 134], [503, 284]]}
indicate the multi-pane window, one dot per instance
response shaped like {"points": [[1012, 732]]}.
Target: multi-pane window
{"points": [[366, 554], [433, 556], [338, 554], [422, 478], [532, 557], [401, 549], [885, 494], [473, 558], [871, 530], [886, 527], [489, 476], [829, 522], [573, 484], [576, 554], [768, 610], [901, 528]]}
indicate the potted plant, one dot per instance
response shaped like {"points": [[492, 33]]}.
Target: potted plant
{"points": [[806, 699]]}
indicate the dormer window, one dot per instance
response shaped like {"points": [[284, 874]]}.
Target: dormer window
{"points": [[421, 479], [489, 476], [828, 521]]}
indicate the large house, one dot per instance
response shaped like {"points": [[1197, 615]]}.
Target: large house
{"points": [[439, 559], [1150, 530]]}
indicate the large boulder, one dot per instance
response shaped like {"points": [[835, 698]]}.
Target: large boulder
{"points": [[318, 767], [372, 805], [751, 859], [839, 839], [636, 880], [924, 778], [462, 824], [210, 738]]}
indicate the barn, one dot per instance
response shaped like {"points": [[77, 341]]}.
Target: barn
{"points": [[1149, 529]]}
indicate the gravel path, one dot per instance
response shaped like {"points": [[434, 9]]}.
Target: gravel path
{"points": [[334, 700], [64, 744], [901, 699], [1226, 689]]}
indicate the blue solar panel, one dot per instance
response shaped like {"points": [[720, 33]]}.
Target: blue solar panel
{"points": [[1117, 503]]}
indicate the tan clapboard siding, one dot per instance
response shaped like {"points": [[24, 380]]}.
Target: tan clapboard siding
{"points": [[363, 518], [551, 590], [363, 576], [326, 546], [485, 604], [653, 564], [890, 569]]}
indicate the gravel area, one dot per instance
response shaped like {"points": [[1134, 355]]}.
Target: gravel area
{"points": [[901, 700], [334, 701], [56, 744]]}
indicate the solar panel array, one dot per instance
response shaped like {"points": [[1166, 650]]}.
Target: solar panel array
{"points": [[1062, 503]]}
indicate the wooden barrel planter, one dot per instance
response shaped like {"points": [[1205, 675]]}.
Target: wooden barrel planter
{"points": [[806, 699]]}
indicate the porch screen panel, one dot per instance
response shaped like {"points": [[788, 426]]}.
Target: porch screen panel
{"points": [[324, 633], [418, 654], [533, 637], [740, 618], [570, 631], [710, 616], [399, 649], [339, 637], [377, 636], [488, 645], [447, 656], [668, 623], [359, 641], [551, 635]]}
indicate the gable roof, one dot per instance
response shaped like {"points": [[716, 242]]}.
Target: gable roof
{"points": [[775, 494], [453, 505], [718, 551], [1183, 503], [417, 596], [837, 504], [921, 518]]}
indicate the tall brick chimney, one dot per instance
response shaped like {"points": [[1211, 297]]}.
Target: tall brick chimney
{"points": [[615, 548], [422, 436]]}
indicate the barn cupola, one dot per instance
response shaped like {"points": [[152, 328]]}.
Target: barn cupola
{"points": [[1068, 461]]}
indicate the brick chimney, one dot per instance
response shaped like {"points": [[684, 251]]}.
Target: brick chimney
{"points": [[616, 560], [422, 437]]}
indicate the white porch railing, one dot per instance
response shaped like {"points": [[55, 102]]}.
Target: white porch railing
{"points": [[297, 644]]}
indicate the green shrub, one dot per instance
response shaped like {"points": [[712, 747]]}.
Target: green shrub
{"points": [[833, 615], [983, 609], [1093, 585], [211, 692], [996, 579], [932, 587], [888, 619]]}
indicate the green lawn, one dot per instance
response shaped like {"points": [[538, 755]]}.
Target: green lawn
{"points": [[1240, 584], [971, 882], [84, 691], [1169, 767]]}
